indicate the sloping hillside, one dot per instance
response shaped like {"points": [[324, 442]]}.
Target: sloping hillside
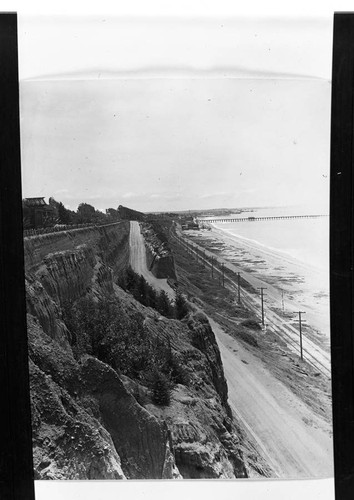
{"points": [[119, 391]]}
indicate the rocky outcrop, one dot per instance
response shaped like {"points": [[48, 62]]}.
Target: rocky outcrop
{"points": [[204, 439], [140, 438], [69, 442], [90, 421], [203, 338], [159, 257], [62, 267], [86, 424]]}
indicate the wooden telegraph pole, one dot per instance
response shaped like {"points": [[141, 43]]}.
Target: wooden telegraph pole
{"points": [[262, 302], [238, 289], [300, 320]]}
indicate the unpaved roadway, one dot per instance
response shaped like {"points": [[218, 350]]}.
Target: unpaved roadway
{"points": [[295, 442]]}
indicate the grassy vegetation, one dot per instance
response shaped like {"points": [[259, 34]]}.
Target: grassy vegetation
{"points": [[220, 303], [196, 281], [102, 329], [147, 295]]}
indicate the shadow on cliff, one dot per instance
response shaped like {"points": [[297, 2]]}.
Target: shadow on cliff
{"points": [[95, 414]]}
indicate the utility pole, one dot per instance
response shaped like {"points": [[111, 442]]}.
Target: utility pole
{"points": [[212, 267], [300, 320], [238, 289], [262, 297], [223, 274]]}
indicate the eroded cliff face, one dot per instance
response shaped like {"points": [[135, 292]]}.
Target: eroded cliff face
{"points": [[158, 256], [89, 420]]}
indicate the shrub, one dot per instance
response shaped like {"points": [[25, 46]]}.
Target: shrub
{"points": [[164, 305], [160, 389], [251, 323], [179, 373], [144, 293], [181, 306], [102, 329]]}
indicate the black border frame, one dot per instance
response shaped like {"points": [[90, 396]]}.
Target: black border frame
{"points": [[16, 462], [342, 253]]}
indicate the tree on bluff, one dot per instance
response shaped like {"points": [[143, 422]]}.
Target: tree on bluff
{"points": [[85, 213], [161, 389], [163, 305], [181, 306], [112, 213], [63, 214]]}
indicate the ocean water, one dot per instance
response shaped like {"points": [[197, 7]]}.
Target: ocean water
{"points": [[306, 240], [290, 255]]}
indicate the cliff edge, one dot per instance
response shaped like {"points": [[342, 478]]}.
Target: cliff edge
{"points": [[100, 363]]}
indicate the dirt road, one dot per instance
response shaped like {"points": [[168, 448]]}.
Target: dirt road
{"points": [[296, 442], [138, 263]]}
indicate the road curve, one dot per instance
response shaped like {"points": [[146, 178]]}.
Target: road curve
{"points": [[137, 260]]}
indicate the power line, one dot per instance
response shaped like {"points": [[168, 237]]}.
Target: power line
{"points": [[238, 289], [301, 321], [262, 302]]}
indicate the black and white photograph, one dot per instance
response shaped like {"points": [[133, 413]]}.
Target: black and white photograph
{"points": [[175, 184]]}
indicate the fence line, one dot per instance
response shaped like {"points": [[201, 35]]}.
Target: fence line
{"points": [[63, 227]]}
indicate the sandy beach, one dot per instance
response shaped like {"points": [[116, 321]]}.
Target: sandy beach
{"points": [[292, 285], [282, 402]]}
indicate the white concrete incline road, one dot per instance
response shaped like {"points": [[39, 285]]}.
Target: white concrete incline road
{"points": [[138, 263]]}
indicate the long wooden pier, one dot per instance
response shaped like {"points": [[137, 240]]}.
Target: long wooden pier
{"points": [[253, 219]]}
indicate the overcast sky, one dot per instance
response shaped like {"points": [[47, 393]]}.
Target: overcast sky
{"points": [[174, 114]]}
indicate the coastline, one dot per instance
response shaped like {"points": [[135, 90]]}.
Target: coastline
{"points": [[291, 285], [279, 398]]}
